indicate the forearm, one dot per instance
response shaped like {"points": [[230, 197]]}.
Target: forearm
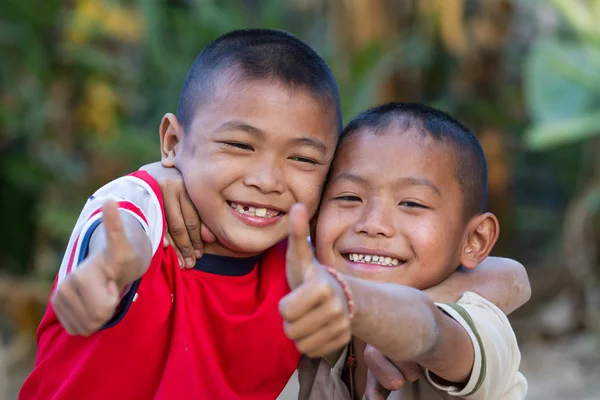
{"points": [[140, 245], [502, 281], [405, 325]]}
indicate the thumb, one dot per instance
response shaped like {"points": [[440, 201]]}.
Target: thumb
{"points": [[299, 256], [116, 239], [113, 225]]}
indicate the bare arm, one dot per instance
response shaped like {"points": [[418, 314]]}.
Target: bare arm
{"points": [[502, 281], [405, 325]]}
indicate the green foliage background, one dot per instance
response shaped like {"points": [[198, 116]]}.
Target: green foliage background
{"points": [[84, 84]]}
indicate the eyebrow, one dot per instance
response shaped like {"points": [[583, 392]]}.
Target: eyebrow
{"points": [[413, 181], [259, 134], [310, 142], [350, 177], [241, 126]]}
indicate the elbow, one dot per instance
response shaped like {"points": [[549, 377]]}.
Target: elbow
{"points": [[520, 283]]}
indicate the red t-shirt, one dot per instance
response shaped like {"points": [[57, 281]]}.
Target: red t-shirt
{"points": [[181, 334]]}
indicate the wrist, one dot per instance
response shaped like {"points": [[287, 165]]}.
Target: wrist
{"points": [[345, 289]]}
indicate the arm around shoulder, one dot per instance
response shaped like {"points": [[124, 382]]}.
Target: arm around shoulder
{"points": [[502, 281]]}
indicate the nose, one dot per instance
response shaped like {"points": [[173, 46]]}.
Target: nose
{"points": [[266, 176], [376, 220]]}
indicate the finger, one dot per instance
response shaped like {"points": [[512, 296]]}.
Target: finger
{"points": [[89, 306], [299, 250], [313, 320], [167, 241], [176, 227], [325, 341], [374, 390], [410, 370], [299, 256], [303, 299], [383, 369], [62, 315], [67, 310], [192, 223]]}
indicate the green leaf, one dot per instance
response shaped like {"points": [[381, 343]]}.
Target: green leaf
{"points": [[551, 92], [557, 133]]}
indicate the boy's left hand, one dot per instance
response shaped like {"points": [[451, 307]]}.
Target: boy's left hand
{"points": [[315, 313], [385, 376]]}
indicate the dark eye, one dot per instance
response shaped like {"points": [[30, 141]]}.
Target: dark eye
{"points": [[239, 145], [349, 198], [412, 204], [304, 160]]}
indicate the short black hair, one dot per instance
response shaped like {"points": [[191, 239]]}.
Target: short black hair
{"points": [[470, 163], [258, 54]]}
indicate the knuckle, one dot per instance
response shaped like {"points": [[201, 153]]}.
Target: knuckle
{"points": [[289, 331], [301, 348], [395, 384], [192, 224], [177, 230], [323, 290], [346, 329], [186, 252], [336, 308]]}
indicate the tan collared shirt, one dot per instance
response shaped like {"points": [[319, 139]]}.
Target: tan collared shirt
{"points": [[495, 374]]}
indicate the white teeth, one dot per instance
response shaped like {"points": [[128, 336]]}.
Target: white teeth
{"points": [[258, 212], [371, 259]]}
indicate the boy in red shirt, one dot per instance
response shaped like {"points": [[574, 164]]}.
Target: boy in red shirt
{"points": [[255, 132]]}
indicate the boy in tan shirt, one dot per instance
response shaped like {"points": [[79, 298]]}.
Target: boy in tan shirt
{"points": [[404, 205]]}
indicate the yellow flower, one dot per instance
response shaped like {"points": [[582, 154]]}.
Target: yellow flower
{"points": [[95, 16], [99, 110]]}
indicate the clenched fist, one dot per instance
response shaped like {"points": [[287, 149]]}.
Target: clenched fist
{"points": [[315, 313], [88, 297]]}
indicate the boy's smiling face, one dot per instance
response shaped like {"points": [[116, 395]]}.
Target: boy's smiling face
{"points": [[393, 210], [250, 153]]}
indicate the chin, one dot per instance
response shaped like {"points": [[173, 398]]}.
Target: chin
{"points": [[249, 243]]}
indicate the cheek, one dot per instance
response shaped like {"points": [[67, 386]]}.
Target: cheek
{"points": [[427, 240], [331, 227], [306, 188], [204, 177]]}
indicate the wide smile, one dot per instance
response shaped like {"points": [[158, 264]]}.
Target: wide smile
{"points": [[372, 259], [254, 214]]}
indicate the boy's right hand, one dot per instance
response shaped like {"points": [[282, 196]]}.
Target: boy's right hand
{"points": [[315, 312], [88, 297], [185, 231]]}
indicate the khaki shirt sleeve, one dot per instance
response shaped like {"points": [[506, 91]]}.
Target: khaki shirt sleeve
{"points": [[495, 374]]}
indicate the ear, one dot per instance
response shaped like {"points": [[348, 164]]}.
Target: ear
{"points": [[482, 233], [171, 136]]}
